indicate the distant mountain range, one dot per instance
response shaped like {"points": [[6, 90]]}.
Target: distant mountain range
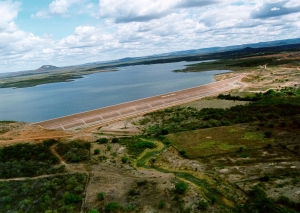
{"points": [[185, 55], [204, 51]]}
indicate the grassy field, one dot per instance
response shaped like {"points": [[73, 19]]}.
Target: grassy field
{"points": [[205, 142]]}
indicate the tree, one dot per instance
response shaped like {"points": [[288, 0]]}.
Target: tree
{"points": [[96, 151], [102, 140], [259, 202], [93, 211], [124, 159], [101, 196], [112, 207], [115, 140], [181, 187]]}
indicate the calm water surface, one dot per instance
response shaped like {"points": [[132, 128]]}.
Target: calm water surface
{"points": [[97, 90]]}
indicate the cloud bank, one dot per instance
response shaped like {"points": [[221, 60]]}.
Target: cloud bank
{"points": [[112, 29]]}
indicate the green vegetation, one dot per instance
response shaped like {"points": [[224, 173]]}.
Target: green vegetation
{"points": [[38, 80], [205, 142], [260, 203], [93, 211], [239, 64], [136, 145], [115, 140], [181, 187], [112, 207], [60, 193], [101, 196], [270, 107], [124, 159], [96, 151], [202, 205], [74, 151], [28, 160], [102, 140]]}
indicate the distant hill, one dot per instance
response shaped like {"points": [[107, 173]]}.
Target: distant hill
{"points": [[46, 68]]}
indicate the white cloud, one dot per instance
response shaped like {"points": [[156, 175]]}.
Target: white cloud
{"points": [[128, 28], [9, 11], [61, 6], [57, 7], [123, 11]]}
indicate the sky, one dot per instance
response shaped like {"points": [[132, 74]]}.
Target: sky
{"points": [[70, 32]]}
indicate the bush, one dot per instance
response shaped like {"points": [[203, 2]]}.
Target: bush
{"points": [[202, 205], [101, 196], [181, 187], [259, 202], [102, 140], [112, 207], [183, 153], [71, 198], [265, 178], [74, 151], [164, 132], [93, 211], [144, 144], [124, 159], [133, 192], [115, 140], [96, 151], [161, 204], [268, 134]]}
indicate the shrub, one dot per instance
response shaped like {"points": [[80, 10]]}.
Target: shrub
{"points": [[101, 196], [115, 140], [96, 151], [102, 140], [145, 144], [74, 151], [183, 153], [164, 132], [259, 202], [112, 207], [133, 192], [181, 187], [141, 183], [108, 148], [93, 211], [161, 204], [265, 178], [268, 134], [71, 198], [124, 159], [213, 199], [202, 205]]}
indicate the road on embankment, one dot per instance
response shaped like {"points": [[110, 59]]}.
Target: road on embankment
{"points": [[106, 115]]}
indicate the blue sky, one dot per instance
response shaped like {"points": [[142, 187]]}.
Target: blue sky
{"points": [[68, 32]]}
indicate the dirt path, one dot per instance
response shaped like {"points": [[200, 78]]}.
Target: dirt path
{"points": [[33, 178], [61, 160]]}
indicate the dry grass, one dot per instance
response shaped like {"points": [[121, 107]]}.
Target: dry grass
{"points": [[215, 103], [205, 142]]}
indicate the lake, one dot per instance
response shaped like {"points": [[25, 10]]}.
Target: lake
{"points": [[97, 90]]}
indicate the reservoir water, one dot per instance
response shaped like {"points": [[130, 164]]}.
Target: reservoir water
{"points": [[98, 90]]}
